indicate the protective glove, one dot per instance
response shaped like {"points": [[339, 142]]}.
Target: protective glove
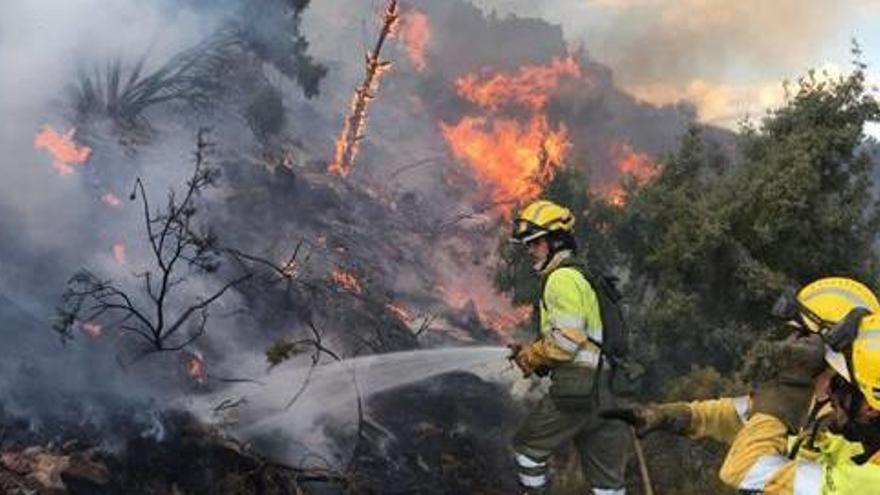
{"points": [[527, 360], [674, 418]]}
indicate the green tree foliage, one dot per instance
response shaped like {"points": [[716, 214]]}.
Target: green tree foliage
{"points": [[715, 239], [707, 245]]}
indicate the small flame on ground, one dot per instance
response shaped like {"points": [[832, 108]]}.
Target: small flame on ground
{"points": [[399, 311], [119, 253], [111, 200], [415, 33], [64, 150], [348, 281], [290, 268], [92, 329], [195, 367]]}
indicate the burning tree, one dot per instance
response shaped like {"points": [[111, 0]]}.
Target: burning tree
{"points": [[355, 124], [179, 248], [516, 159]]}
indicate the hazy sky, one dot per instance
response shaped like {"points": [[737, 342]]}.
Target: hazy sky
{"points": [[728, 56]]}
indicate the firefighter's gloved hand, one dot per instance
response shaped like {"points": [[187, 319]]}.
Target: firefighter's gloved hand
{"points": [[524, 358], [514, 350], [674, 418]]}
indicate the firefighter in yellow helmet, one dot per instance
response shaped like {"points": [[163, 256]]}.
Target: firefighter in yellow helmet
{"points": [[813, 429], [569, 349]]}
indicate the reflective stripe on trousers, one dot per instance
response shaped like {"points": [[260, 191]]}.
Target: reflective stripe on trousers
{"points": [[532, 473], [609, 491]]}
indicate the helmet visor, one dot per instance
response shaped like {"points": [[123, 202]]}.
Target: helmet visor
{"points": [[525, 231], [788, 309]]}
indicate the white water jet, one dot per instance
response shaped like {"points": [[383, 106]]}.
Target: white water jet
{"points": [[281, 430]]}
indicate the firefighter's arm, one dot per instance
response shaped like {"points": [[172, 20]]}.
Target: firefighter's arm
{"points": [[543, 352], [567, 317], [719, 419]]}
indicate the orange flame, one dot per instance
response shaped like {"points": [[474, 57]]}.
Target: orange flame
{"points": [[111, 200], [614, 194], [91, 328], [119, 253], [348, 281], [630, 163], [530, 87], [415, 33], [513, 157], [64, 150], [507, 155], [399, 311]]}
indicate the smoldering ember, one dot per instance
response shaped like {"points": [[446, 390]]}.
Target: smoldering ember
{"points": [[263, 246]]}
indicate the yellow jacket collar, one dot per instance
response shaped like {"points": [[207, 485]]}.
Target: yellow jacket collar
{"points": [[556, 260]]}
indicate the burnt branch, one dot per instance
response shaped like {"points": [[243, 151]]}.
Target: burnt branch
{"points": [[284, 272], [354, 127], [426, 323], [284, 350], [158, 311], [451, 222]]}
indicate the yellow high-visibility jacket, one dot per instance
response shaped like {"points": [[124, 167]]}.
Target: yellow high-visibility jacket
{"points": [[570, 321], [758, 458]]}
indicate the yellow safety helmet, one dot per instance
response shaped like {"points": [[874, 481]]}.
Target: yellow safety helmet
{"points": [[843, 312], [539, 219], [866, 359]]}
